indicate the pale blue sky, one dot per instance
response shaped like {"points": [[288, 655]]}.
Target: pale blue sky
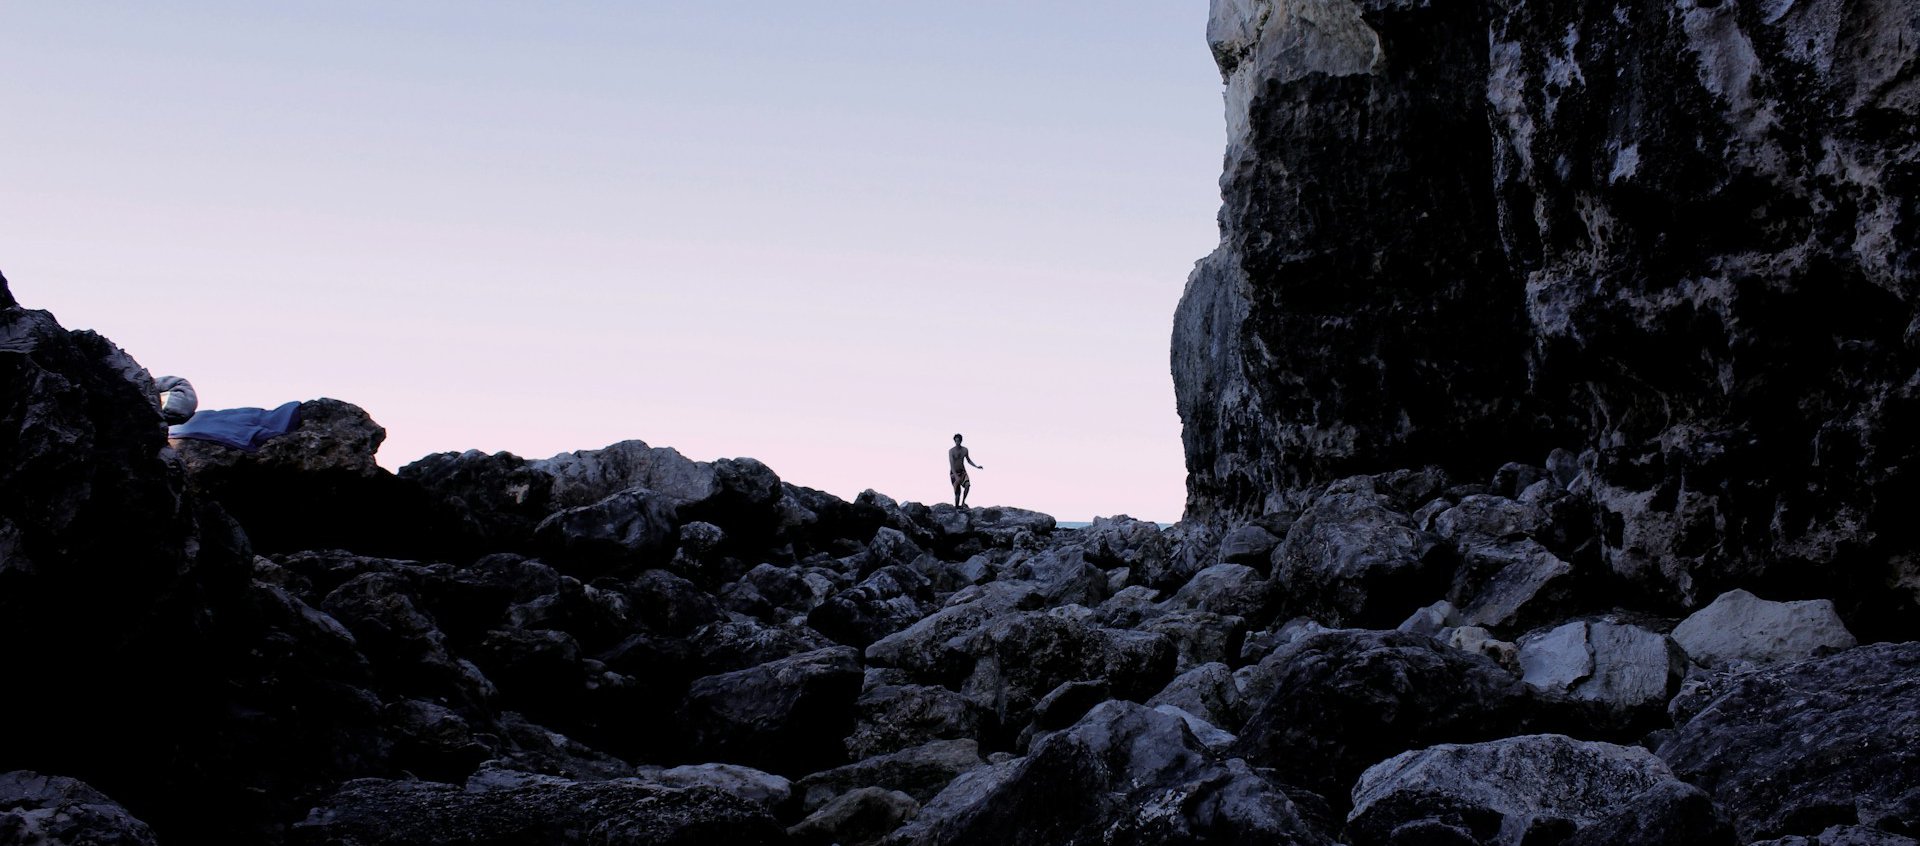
{"points": [[827, 235]]}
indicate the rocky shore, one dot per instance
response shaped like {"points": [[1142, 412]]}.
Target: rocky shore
{"points": [[623, 645], [1549, 411]]}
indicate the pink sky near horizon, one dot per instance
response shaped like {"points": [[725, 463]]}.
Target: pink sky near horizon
{"points": [[825, 237]]}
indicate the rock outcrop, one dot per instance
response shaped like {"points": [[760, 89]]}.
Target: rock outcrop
{"points": [[1680, 241]]}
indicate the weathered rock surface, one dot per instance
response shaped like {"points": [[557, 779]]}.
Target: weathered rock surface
{"points": [[1341, 701], [1618, 665], [1351, 558], [786, 716], [1528, 789], [1123, 774], [539, 810], [43, 810], [1681, 240], [1739, 626], [1801, 747]]}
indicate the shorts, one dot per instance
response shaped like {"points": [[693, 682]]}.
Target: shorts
{"points": [[959, 479]]}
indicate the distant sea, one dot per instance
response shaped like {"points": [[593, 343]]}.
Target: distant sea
{"points": [[1081, 524]]}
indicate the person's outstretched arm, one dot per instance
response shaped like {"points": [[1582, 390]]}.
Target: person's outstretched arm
{"points": [[969, 458]]}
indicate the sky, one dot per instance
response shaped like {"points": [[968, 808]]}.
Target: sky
{"points": [[827, 235]]}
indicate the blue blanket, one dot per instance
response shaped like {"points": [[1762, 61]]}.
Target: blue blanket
{"points": [[241, 428]]}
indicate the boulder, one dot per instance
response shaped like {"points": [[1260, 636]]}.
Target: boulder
{"points": [[1797, 748], [1352, 559], [623, 812], [1250, 544], [497, 498], [855, 818], [919, 771], [1739, 626], [1226, 589], [788, 717], [1022, 656], [634, 527], [1620, 666], [1343, 700], [44, 810], [892, 717], [1520, 790], [1199, 637], [892, 598], [1124, 774], [1208, 692], [934, 648], [764, 789]]}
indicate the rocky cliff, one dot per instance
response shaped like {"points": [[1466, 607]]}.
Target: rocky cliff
{"points": [[1680, 242]]}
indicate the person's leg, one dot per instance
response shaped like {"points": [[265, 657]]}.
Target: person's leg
{"points": [[966, 487]]}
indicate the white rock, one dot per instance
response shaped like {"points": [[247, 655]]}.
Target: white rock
{"points": [[1739, 626]]}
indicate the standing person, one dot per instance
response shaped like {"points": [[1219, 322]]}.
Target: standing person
{"points": [[957, 461]]}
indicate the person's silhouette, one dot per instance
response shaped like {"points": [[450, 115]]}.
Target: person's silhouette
{"points": [[957, 461]]}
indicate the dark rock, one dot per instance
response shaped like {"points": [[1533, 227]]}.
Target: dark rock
{"points": [[892, 598], [935, 647], [497, 498], [1351, 559], [635, 527], [1199, 637], [1124, 774], [1251, 545], [1020, 657], [1208, 692], [737, 645], [1669, 812], [788, 717], [1343, 700], [918, 771], [898, 716], [1842, 835], [1506, 579], [43, 810], [856, 818], [1521, 790], [1226, 589], [541, 810], [1798, 748]]}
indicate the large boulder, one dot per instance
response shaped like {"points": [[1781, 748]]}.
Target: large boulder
{"points": [[497, 498], [1739, 626], [634, 527], [1618, 666], [1351, 558], [1520, 790], [918, 771], [1343, 700], [1124, 774], [787, 717], [895, 717], [1797, 748], [1021, 657]]}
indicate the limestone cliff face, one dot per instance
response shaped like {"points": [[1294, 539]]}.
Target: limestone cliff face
{"points": [[1677, 238]]}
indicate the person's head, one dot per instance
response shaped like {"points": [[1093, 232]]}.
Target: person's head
{"points": [[956, 439]]}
